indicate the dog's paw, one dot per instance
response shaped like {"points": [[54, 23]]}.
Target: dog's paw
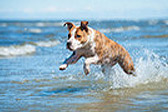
{"points": [[87, 71], [133, 73], [63, 67]]}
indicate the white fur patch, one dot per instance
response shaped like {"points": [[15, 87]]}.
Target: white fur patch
{"points": [[91, 38], [92, 60], [75, 43], [63, 66]]}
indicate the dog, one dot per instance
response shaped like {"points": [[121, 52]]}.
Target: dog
{"points": [[96, 48]]}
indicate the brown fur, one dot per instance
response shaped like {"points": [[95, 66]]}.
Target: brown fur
{"points": [[106, 48], [81, 31], [83, 35]]}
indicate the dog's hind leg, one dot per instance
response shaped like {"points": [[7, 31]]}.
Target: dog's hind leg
{"points": [[103, 69], [107, 69], [127, 65]]}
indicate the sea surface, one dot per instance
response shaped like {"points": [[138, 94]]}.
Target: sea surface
{"points": [[32, 51]]}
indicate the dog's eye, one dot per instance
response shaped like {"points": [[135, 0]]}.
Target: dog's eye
{"points": [[78, 36]]}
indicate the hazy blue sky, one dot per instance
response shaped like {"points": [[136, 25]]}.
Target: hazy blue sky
{"points": [[83, 9]]}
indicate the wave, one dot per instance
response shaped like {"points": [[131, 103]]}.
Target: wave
{"points": [[36, 24], [166, 22], [17, 50], [25, 49], [34, 30], [120, 29], [153, 22], [45, 43], [3, 25], [44, 24]]}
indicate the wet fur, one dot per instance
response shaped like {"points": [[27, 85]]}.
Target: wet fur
{"points": [[96, 48]]}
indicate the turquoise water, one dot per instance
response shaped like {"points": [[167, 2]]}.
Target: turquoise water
{"points": [[30, 80]]}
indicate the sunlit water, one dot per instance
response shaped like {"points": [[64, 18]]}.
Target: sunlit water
{"points": [[31, 52]]}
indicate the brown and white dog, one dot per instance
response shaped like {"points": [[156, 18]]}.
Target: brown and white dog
{"points": [[96, 48]]}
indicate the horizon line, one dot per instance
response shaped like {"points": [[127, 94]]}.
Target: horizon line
{"points": [[77, 19]]}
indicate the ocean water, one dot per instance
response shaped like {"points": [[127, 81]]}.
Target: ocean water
{"points": [[32, 51]]}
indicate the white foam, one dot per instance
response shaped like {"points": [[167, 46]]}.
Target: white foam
{"points": [[58, 24], [120, 29], [46, 43], [34, 30], [40, 24], [17, 50], [153, 22], [44, 24], [166, 22], [3, 24]]}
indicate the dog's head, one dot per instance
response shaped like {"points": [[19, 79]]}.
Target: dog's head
{"points": [[78, 35]]}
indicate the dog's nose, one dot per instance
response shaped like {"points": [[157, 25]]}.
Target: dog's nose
{"points": [[69, 44]]}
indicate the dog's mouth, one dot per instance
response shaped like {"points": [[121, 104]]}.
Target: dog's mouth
{"points": [[69, 47]]}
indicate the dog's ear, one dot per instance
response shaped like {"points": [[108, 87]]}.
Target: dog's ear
{"points": [[84, 25], [70, 25]]}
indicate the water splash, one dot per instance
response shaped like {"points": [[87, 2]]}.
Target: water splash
{"points": [[149, 68]]}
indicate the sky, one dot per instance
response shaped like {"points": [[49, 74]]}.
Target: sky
{"points": [[83, 9]]}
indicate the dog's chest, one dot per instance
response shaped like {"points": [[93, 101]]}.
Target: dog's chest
{"points": [[88, 53]]}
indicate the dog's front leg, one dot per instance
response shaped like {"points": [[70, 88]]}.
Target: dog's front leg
{"points": [[71, 60], [88, 61]]}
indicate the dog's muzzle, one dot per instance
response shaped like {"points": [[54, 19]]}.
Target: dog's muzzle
{"points": [[69, 46]]}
